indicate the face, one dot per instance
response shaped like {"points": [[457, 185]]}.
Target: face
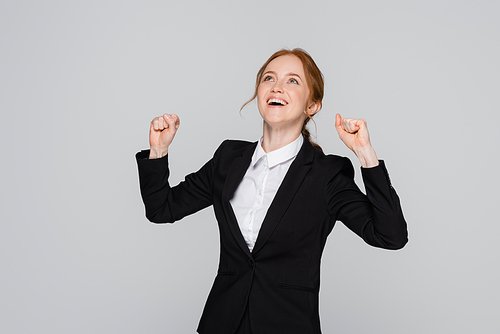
{"points": [[283, 93]]}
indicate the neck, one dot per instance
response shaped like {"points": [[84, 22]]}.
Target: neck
{"points": [[275, 138]]}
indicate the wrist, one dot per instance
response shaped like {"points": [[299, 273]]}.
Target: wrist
{"points": [[367, 156], [157, 152]]}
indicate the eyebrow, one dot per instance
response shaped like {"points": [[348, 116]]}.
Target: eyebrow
{"points": [[288, 74]]}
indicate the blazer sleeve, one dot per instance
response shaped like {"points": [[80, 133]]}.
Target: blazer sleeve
{"points": [[376, 217], [166, 204]]}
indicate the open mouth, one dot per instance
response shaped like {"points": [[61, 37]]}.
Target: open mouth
{"points": [[276, 102]]}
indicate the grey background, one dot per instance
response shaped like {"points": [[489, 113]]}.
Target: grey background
{"points": [[81, 80]]}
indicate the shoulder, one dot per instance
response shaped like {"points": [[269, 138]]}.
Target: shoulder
{"points": [[231, 148], [233, 144], [324, 165], [331, 164], [323, 159]]}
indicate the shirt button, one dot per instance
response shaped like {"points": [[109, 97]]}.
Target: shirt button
{"points": [[250, 263]]}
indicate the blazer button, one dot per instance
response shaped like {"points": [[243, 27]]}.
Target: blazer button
{"points": [[250, 263]]}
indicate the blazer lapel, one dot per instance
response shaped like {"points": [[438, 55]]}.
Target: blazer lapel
{"points": [[234, 175], [287, 190]]}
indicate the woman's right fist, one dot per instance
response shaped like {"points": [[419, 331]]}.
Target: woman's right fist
{"points": [[161, 134]]}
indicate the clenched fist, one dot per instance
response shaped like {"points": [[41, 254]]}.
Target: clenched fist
{"points": [[161, 134], [354, 133]]}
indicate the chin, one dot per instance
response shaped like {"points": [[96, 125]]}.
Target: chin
{"points": [[272, 118]]}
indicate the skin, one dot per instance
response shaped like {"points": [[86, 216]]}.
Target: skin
{"points": [[354, 133], [161, 133], [283, 79]]}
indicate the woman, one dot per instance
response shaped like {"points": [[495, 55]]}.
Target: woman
{"points": [[275, 201]]}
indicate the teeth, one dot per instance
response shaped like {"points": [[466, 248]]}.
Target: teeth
{"points": [[276, 101]]}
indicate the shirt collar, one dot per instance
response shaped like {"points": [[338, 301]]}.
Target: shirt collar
{"points": [[278, 156]]}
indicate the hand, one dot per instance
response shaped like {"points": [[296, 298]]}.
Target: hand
{"points": [[354, 133], [161, 134]]}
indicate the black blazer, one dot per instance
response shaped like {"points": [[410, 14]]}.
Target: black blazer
{"points": [[279, 280]]}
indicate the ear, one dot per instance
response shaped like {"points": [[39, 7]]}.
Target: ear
{"points": [[313, 108]]}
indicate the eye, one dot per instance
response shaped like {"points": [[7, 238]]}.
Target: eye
{"points": [[292, 80], [268, 78]]}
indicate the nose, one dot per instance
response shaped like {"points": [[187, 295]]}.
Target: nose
{"points": [[277, 87]]}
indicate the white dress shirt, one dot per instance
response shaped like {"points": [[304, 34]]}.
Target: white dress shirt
{"points": [[257, 189]]}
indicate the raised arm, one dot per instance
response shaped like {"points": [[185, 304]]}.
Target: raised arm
{"points": [[163, 203], [376, 217]]}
